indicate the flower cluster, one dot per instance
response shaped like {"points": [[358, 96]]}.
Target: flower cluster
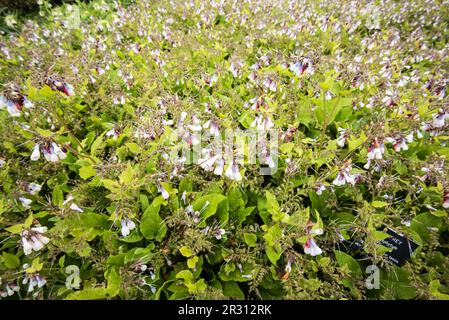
{"points": [[52, 152], [33, 239]]}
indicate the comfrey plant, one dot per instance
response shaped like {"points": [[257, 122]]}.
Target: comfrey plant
{"points": [[231, 150]]}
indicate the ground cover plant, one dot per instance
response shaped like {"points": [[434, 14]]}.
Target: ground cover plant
{"points": [[115, 183]]}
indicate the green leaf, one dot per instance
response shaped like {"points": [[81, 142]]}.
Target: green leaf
{"points": [[434, 287], [152, 226], [191, 263], [186, 251], [273, 253], [15, 229], [11, 261], [250, 239], [344, 259], [87, 172], [133, 147], [379, 204], [207, 206], [57, 196], [231, 289]]}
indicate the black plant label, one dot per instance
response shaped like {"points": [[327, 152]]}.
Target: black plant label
{"points": [[401, 247]]}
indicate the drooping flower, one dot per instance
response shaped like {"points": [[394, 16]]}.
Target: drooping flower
{"points": [[208, 160], [213, 127], [34, 280], [73, 206], [9, 290], [263, 123], [252, 76], [344, 175], [33, 188], [35, 155], [57, 83], [341, 140], [270, 84], [114, 133], [375, 152], [439, 119], [127, 226], [310, 247], [232, 172], [119, 100], [299, 67], [68, 89], [162, 190], [400, 143], [219, 167], [219, 232], [234, 69], [25, 202], [14, 101], [288, 267], [319, 188], [33, 239]]}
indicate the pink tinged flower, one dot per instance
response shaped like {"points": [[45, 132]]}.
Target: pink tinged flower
{"points": [[40, 281], [13, 109], [232, 172], [35, 155], [310, 247], [219, 167], [162, 191], [33, 239], [270, 84], [68, 89], [34, 280], [257, 121]]}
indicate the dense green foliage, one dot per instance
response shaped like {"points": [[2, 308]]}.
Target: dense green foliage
{"points": [[92, 95]]}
